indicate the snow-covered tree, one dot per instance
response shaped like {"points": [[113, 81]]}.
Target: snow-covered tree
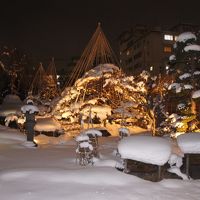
{"points": [[105, 92], [184, 92]]}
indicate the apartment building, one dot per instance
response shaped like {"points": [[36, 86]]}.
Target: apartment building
{"points": [[145, 48]]}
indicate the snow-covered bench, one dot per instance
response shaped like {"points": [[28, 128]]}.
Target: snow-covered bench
{"points": [[145, 149]]}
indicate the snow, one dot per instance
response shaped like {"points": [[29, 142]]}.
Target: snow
{"points": [[188, 87], [189, 143], [10, 118], [124, 130], [192, 47], [183, 37], [50, 172], [29, 108], [85, 145], [172, 57], [175, 86], [102, 111], [93, 132], [196, 94], [184, 76], [197, 73], [147, 149], [47, 124], [80, 138]]}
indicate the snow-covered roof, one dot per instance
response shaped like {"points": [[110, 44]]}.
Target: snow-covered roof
{"points": [[192, 47], [147, 149], [183, 37], [189, 143]]}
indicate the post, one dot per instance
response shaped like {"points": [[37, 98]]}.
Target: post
{"points": [[159, 172], [187, 164]]}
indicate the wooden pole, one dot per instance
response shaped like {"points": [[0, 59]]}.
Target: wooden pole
{"points": [[187, 165]]}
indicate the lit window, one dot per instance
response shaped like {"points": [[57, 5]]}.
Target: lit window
{"points": [[120, 53], [167, 49], [127, 53], [166, 67], [168, 37], [151, 68]]}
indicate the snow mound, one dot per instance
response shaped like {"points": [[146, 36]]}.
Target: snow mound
{"points": [[189, 143], [147, 149]]}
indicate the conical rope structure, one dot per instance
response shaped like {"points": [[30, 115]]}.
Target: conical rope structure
{"points": [[38, 81], [98, 51], [44, 84], [52, 76]]}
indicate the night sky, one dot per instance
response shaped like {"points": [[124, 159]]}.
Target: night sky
{"points": [[63, 28]]}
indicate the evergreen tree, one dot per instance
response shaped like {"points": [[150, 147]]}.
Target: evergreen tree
{"points": [[185, 70]]}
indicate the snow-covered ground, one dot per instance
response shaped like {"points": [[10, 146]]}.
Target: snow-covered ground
{"points": [[50, 172]]}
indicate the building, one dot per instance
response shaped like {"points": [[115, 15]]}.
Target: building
{"points": [[146, 48]]}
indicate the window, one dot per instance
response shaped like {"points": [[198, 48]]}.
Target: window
{"points": [[128, 53], [167, 49], [151, 68], [168, 37], [175, 37]]}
